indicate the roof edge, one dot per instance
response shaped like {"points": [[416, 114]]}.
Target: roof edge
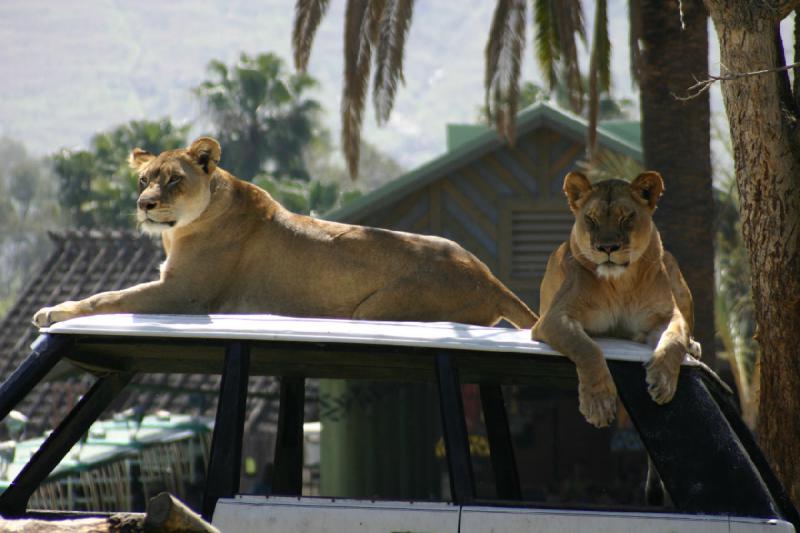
{"points": [[527, 119]]}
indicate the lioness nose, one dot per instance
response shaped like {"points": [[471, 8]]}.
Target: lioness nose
{"points": [[607, 247], [145, 204]]}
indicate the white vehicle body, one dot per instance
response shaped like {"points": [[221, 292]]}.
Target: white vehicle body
{"points": [[248, 514]]}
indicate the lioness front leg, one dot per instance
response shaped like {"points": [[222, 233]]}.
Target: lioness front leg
{"points": [[663, 369], [597, 394], [152, 297]]}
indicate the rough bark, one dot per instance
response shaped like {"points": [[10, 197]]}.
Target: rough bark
{"points": [[676, 141], [763, 122]]}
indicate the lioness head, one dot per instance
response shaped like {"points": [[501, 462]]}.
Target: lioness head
{"points": [[613, 219], [174, 187]]}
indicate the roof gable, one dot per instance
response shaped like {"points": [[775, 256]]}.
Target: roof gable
{"points": [[476, 145]]}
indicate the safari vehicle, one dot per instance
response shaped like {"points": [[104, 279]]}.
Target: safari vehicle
{"points": [[544, 468]]}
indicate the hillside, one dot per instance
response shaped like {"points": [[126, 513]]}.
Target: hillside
{"points": [[73, 71]]}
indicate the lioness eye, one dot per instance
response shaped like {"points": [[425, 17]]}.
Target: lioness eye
{"points": [[590, 222], [627, 220], [173, 180], [142, 181]]}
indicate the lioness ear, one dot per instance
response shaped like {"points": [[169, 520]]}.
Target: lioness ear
{"points": [[648, 187], [205, 151], [139, 158], [576, 185]]}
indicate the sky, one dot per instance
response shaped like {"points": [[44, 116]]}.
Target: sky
{"points": [[73, 69]]}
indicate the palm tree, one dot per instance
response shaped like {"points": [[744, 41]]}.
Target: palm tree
{"points": [[379, 28], [763, 112], [676, 141], [264, 120]]}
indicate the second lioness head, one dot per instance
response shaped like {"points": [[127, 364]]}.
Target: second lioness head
{"points": [[613, 219]]}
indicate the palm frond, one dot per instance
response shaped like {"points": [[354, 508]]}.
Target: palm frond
{"points": [[357, 62], [546, 40], [376, 9], [391, 42], [496, 32], [599, 73], [634, 34], [569, 21], [601, 45], [503, 60], [576, 13], [308, 14]]}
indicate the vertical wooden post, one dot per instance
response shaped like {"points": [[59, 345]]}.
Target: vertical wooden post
{"points": [[288, 466], [225, 460]]}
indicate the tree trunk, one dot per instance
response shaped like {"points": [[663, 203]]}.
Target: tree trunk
{"points": [[766, 149], [676, 141]]}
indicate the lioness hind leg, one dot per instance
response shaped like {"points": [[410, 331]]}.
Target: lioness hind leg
{"points": [[408, 300]]}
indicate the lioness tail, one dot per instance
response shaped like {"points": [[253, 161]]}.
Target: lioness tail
{"points": [[515, 311]]}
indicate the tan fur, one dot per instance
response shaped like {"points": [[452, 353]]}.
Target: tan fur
{"points": [[231, 248], [634, 292]]}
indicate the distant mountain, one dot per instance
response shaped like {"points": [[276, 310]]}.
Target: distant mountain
{"points": [[71, 69]]}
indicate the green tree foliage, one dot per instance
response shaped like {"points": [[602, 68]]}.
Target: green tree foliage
{"points": [[262, 116], [28, 206], [271, 134], [96, 188], [314, 198], [375, 168], [734, 311]]}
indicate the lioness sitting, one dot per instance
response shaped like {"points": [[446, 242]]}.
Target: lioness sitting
{"points": [[613, 278], [231, 248]]}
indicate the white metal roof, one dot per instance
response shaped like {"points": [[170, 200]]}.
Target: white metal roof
{"points": [[281, 328]]}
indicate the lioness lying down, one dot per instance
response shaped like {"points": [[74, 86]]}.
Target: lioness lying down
{"points": [[231, 248], [613, 278]]}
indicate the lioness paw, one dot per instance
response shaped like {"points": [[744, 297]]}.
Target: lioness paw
{"points": [[41, 319], [597, 401], [694, 348], [662, 379], [47, 316]]}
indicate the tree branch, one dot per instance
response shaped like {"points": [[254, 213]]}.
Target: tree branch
{"points": [[702, 86]]}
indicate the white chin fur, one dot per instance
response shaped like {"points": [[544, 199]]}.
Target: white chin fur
{"points": [[606, 271], [154, 228]]}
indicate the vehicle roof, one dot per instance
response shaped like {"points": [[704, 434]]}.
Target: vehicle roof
{"points": [[448, 335]]}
